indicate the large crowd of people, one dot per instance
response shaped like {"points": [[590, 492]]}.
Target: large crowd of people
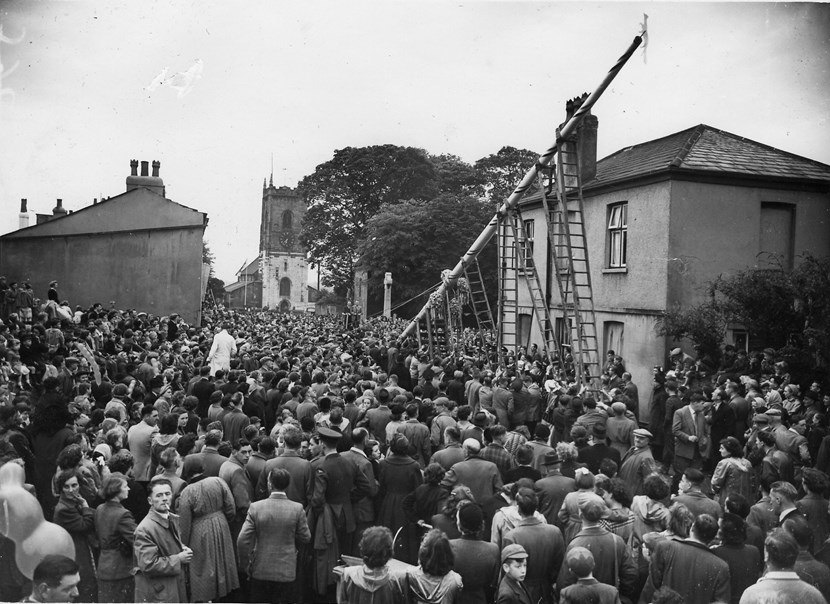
{"points": [[270, 457]]}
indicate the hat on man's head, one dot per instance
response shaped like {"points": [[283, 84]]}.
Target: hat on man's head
{"points": [[618, 407], [480, 419], [514, 551], [761, 418], [774, 412], [329, 434], [643, 432], [72, 360], [552, 457], [581, 561], [675, 352]]}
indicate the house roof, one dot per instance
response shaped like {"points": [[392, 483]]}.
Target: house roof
{"points": [[134, 210], [249, 269], [239, 285], [706, 149]]}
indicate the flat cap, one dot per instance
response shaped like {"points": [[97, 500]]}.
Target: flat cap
{"points": [[643, 432], [514, 550], [328, 433]]}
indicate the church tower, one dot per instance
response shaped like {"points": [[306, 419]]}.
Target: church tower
{"points": [[282, 258]]}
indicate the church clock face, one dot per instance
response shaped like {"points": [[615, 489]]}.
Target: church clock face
{"points": [[287, 240]]}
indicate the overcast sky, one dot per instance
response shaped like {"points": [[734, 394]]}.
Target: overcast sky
{"points": [[300, 79]]}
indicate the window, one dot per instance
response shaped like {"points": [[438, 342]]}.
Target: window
{"points": [[563, 331], [287, 219], [612, 336], [777, 242], [617, 235], [285, 287], [525, 325], [530, 230]]}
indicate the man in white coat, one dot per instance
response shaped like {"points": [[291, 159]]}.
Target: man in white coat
{"points": [[224, 346]]}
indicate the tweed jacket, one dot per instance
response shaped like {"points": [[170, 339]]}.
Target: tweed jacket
{"points": [[683, 427], [212, 460], [690, 569], [160, 576], [267, 542], [480, 476], [302, 477]]}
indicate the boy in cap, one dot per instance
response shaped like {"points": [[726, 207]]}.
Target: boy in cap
{"points": [[580, 561], [514, 566]]}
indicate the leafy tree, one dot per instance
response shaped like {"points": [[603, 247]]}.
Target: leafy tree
{"points": [[344, 192], [785, 310], [415, 240], [455, 176], [208, 256], [499, 173], [217, 286]]}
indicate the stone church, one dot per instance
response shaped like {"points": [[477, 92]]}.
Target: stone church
{"points": [[278, 277]]}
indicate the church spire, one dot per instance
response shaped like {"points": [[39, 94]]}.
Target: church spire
{"points": [[271, 182]]}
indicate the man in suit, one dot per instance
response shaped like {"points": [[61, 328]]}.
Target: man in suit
{"points": [[417, 434], [364, 509], [503, 402], [211, 459], [598, 450], [480, 476], [337, 480], [302, 475], [476, 561], [581, 563], [140, 439], [543, 543], [553, 488], [233, 473], [267, 542], [691, 437], [453, 452], [159, 553], [689, 567], [782, 497], [612, 557], [692, 496]]}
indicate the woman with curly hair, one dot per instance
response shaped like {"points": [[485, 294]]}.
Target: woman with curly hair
{"points": [[619, 518], [568, 453], [373, 582], [445, 520], [434, 581], [733, 474], [650, 515], [74, 514], [428, 498]]}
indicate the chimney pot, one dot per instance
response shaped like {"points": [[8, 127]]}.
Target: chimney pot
{"points": [[145, 168], [133, 167], [23, 203], [60, 203], [156, 166]]}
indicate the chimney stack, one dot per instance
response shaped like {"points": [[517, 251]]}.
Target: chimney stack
{"points": [[133, 167], [59, 210], [145, 165], [156, 166], [23, 220], [586, 139]]}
